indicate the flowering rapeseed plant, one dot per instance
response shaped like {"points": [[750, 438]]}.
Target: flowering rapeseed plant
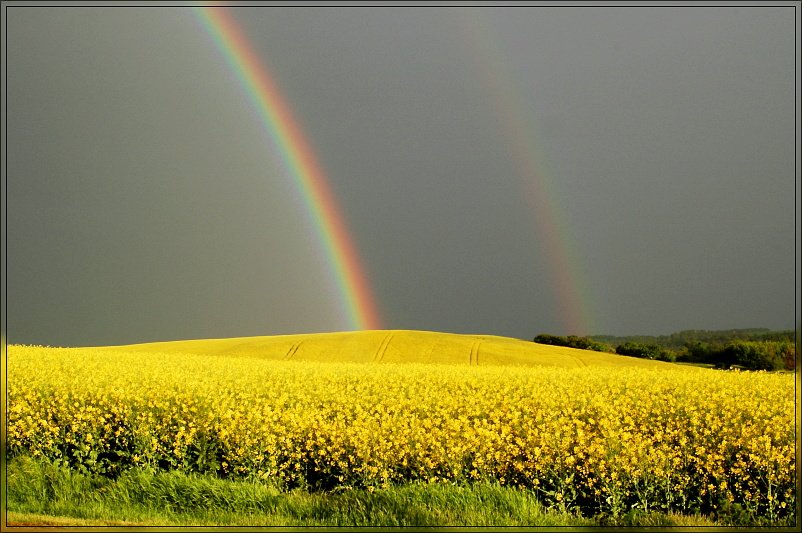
{"points": [[598, 440]]}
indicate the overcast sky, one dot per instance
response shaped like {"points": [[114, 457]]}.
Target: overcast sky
{"points": [[145, 200]]}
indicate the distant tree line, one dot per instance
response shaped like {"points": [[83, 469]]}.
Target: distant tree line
{"points": [[646, 351], [752, 349], [583, 343], [678, 340], [752, 355]]}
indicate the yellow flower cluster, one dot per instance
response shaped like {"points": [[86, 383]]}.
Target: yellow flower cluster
{"points": [[600, 440]]}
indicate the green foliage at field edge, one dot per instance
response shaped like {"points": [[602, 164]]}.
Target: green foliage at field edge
{"points": [[40, 492], [749, 349]]}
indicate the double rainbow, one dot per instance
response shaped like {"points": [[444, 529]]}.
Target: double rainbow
{"points": [[352, 283], [277, 118]]}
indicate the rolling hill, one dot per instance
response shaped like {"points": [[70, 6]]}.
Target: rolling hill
{"points": [[393, 346]]}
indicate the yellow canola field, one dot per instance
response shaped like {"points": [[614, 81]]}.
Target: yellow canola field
{"points": [[392, 346], [601, 439]]}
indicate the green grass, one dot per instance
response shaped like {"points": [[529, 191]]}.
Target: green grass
{"points": [[40, 493]]}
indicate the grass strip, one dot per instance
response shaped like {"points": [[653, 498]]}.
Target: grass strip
{"points": [[40, 493]]}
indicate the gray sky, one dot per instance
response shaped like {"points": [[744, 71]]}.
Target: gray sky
{"points": [[145, 201]]}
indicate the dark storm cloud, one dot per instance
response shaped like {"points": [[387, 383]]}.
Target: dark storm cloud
{"points": [[145, 200]]}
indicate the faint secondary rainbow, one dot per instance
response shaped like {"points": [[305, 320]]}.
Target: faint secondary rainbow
{"points": [[309, 177], [570, 295]]}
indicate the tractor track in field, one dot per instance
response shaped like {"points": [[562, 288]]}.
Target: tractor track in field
{"points": [[292, 351], [379, 355], [474, 357], [579, 361]]}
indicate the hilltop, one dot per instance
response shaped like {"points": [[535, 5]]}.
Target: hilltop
{"points": [[392, 346]]}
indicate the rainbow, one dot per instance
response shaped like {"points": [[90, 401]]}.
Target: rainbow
{"points": [[571, 299], [277, 118]]}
